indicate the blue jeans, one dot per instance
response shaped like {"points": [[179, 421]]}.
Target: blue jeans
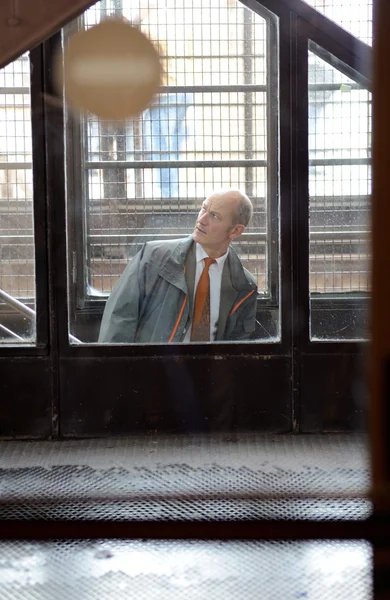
{"points": [[164, 134]]}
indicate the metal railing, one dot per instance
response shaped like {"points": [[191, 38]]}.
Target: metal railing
{"points": [[25, 311]]}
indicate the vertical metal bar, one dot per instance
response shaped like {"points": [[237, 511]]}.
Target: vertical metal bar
{"points": [[77, 187], [273, 266], [55, 181], [118, 8], [286, 46], [137, 121], [39, 195], [300, 208], [137, 126], [248, 97], [113, 145]]}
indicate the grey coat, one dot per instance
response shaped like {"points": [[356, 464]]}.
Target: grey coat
{"points": [[152, 301]]}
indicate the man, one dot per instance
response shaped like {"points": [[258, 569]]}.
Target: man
{"points": [[187, 290]]}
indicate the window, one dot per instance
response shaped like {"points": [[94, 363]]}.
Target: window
{"points": [[17, 273], [354, 15], [213, 125], [339, 189]]}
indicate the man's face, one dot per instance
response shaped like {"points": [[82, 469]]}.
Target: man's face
{"points": [[214, 229]]}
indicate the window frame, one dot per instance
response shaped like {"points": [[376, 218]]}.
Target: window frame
{"points": [[354, 61], [37, 107], [85, 308], [339, 302], [298, 23]]}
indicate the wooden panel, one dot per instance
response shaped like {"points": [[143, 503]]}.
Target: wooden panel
{"points": [[122, 395], [26, 397], [334, 393]]}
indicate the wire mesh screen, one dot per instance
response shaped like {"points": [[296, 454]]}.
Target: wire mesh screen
{"points": [[353, 15], [17, 272], [339, 182], [146, 179], [144, 569]]}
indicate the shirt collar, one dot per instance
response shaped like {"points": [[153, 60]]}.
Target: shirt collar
{"points": [[201, 254]]}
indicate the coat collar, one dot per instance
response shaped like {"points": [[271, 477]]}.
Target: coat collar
{"points": [[174, 264], [179, 269], [172, 269], [238, 278], [234, 285]]}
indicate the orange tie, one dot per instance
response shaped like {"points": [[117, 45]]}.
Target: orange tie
{"points": [[201, 319]]}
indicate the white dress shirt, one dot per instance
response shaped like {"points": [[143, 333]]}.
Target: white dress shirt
{"points": [[215, 273]]}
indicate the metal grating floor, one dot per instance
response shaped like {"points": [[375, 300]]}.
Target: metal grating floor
{"points": [[205, 477], [321, 477], [185, 570]]}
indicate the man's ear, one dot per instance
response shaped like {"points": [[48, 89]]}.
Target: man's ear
{"points": [[236, 231]]}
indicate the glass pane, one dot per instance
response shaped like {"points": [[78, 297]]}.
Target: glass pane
{"points": [[354, 15], [339, 189], [209, 128], [17, 272]]}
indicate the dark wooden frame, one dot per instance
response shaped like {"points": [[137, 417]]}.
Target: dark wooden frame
{"points": [[89, 390]]}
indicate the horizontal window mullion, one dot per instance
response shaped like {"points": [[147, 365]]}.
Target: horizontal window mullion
{"points": [[244, 87], [15, 238], [111, 237], [15, 165], [339, 234], [14, 90], [168, 164], [95, 304], [316, 236], [334, 87], [336, 162]]}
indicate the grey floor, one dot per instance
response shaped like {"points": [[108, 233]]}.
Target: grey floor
{"points": [[249, 476]]}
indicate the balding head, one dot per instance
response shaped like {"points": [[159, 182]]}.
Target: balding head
{"points": [[221, 219], [244, 208]]}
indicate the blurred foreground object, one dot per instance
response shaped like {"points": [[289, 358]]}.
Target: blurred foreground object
{"points": [[111, 70], [380, 318]]}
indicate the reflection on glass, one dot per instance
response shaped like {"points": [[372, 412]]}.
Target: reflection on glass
{"points": [[353, 15], [17, 273], [339, 188], [211, 127]]}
